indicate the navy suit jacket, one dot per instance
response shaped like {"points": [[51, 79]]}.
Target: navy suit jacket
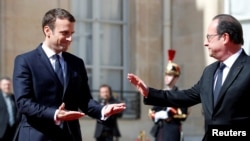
{"points": [[233, 100], [39, 93]]}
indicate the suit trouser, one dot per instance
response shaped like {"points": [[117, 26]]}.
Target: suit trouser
{"points": [[105, 136]]}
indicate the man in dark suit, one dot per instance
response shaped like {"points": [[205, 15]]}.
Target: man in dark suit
{"points": [[50, 85], [107, 130], [227, 110], [9, 117]]}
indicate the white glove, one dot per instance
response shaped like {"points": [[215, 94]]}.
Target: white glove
{"points": [[160, 115]]}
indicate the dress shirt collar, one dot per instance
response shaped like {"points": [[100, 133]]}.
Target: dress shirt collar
{"points": [[5, 95], [49, 52], [229, 61]]}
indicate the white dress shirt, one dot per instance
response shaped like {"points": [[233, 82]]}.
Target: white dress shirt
{"points": [[229, 63]]}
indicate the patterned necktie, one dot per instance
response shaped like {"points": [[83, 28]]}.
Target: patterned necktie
{"points": [[218, 83], [58, 69]]}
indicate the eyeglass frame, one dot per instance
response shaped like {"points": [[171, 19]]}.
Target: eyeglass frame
{"points": [[211, 35]]}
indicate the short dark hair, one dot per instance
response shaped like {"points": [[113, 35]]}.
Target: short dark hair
{"points": [[5, 78], [107, 86], [229, 24], [51, 16]]}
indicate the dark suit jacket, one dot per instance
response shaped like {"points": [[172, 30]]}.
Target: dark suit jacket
{"points": [[39, 93], [4, 116], [233, 99], [110, 125], [169, 130]]}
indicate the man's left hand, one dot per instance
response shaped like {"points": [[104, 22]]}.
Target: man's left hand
{"points": [[112, 109]]}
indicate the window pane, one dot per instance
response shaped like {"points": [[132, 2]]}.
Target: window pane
{"points": [[82, 9], [112, 78], [111, 9], [239, 8], [246, 27], [82, 44], [132, 100], [94, 92], [90, 78], [111, 45]]}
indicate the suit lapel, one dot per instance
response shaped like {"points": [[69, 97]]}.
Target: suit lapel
{"points": [[67, 71], [210, 83], [2, 101], [232, 75], [45, 61]]}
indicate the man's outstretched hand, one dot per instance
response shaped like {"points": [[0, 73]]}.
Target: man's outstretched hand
{"points": [[64, 115], [112, 109], [139, 84]]}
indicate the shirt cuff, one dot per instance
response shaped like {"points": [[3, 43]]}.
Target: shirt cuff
{"points": [[57, 122], [103, 117]]}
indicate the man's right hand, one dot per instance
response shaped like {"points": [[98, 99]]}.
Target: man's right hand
{"points": [[65, 115], [139, 84]]}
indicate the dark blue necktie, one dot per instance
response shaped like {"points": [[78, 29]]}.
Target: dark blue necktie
{"points": [[58, 69], [218, 83]]}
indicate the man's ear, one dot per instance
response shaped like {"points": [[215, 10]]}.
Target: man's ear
{"points": [[47, 31], [226, 37]]}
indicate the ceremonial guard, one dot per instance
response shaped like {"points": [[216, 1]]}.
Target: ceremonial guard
{"points": [[168, 120]]}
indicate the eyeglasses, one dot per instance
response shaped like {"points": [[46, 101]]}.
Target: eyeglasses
{"points": [[210, 36]]}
